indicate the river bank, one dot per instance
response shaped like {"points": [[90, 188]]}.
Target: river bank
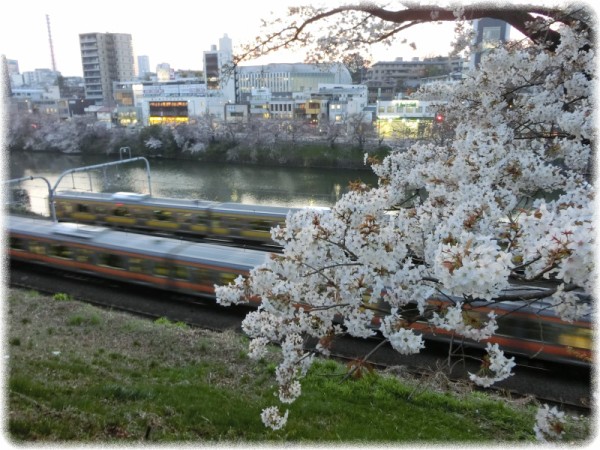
{"points": [[256, 145]]}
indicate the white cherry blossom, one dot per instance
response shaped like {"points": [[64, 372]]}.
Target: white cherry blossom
{"points": [[549, 424], [506, 201]]}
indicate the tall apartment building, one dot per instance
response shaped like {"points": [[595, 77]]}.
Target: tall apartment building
{"points": [[105, 57], [218, 74]]}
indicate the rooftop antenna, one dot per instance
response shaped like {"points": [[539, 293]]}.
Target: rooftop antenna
{"points": [[50, 41]]}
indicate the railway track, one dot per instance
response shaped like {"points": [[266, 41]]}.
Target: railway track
{"points": [[568, 387]]}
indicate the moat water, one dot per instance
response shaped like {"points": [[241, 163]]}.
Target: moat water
{"points": [[280, 186]]}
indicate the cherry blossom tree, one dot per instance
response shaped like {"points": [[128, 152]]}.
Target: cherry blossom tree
{"points": [[338, 32], [508, 203]]}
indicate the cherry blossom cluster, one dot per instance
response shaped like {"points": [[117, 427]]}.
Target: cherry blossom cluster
{"points": [[507, 202], [403, 340], [453, 320], [273, 419], [549, 424], [496, 367]]}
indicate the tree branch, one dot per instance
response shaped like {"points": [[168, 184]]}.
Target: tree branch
{"points": [[519, 17]]}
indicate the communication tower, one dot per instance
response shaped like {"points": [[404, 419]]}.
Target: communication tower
{"points": [[50, 41]]}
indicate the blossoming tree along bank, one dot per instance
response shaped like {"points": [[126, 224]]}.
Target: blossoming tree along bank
{"points": [[523, 127]]}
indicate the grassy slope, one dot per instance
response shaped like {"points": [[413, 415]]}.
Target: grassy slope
{"points": [[78, 373]]}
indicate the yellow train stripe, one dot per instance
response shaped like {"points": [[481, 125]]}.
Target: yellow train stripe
{"points": [[83, 216], [162, 224], [201, 228], [255, 234], [121, 220]]}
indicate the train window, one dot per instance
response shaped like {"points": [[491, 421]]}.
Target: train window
{"points": [[162, 215], [200, 219], [84, 255], [233, 223], [227, 277], [37, 247], [223, 225], [261, 225], [136, 265], [82, 208], [181, 273], [121, 211], [143, 213], [17, 243], [202, 276], [65, 208], [110, 260], [61, 251], [161, 270], [576, 337]]}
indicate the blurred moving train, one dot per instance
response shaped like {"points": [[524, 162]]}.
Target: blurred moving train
{"points": [[194, 268], [171, 264], [182, 217]]}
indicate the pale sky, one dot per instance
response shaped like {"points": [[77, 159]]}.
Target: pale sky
{"points": [[176, 32]]}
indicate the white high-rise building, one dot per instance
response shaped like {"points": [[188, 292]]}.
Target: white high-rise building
{"points": [[105, 57], [143, 67]]}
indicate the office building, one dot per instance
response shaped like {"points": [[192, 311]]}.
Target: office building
{"points": [[407, 76], [143, 66], [288, 78], [488, 34], [218, 69], [106, 58]]}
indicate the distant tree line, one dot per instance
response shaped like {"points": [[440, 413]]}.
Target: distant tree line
{"points": [[269, 142]]}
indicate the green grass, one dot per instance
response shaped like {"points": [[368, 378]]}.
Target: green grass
{"points": [[120, 379]]}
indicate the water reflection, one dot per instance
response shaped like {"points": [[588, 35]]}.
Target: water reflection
{"points": [[280, 186]]}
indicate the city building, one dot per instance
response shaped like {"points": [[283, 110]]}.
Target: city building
{"points": [[143, 66], [380, 90], [40, 77], [105, 58], [169, 102], [406, 119], [164, 72], [71, 87], [14, 77], [288, 78], [488, 33], [236, 113], [219, 73], [37, 93], [406, 76], [343, 100]]}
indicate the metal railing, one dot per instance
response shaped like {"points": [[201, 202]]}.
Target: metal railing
{"points": [[52, 190]]}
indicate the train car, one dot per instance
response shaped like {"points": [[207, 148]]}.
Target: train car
{"points": [[166, 263], [184, 217], [527, 329]]}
